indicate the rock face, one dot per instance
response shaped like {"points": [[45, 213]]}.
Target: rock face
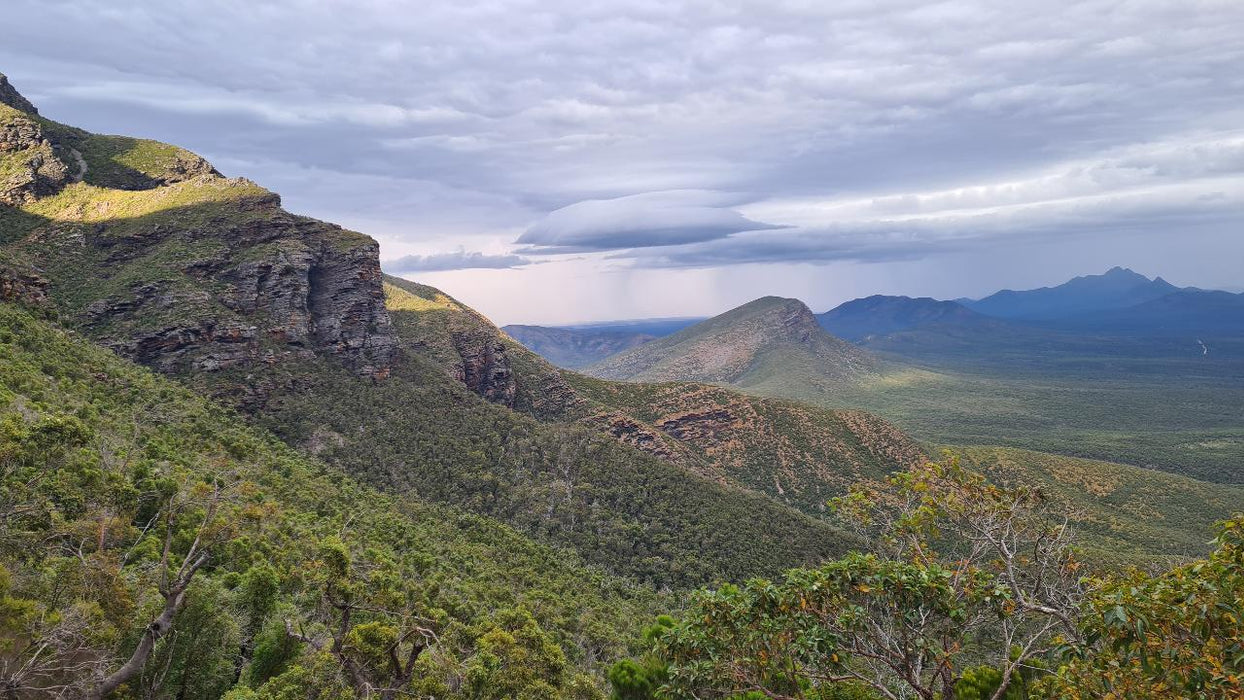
{"points": [[629, 431], [11, 97], [29, 165], [285, 287], [22, 286], [194, 271], [485, 368]]}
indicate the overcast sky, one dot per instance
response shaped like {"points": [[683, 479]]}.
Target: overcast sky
{"points": [[549, 161]]}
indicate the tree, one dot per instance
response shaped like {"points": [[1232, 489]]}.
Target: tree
{"points": [[208, 505], [1179, 634], [365, 621], [964, 570], [640, 679]]}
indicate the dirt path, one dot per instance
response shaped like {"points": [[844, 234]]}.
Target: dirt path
{"points": [[81, 165]]}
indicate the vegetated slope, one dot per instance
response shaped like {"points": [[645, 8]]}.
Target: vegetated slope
{"points": [[880, 315], [1116, 289], [762, 345], [803, 455], [207, 279], [425, 431], [573, 348], [1122, 514], [90, 444], [796, 454]]}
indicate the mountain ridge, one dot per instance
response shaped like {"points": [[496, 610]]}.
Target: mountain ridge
{"points": [[1117, 288], [739, 347], [858, 319]]}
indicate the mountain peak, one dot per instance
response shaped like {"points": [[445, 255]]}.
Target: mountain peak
{"points": [[11, 97], [1118, 272], [1117, 288], [745, 346], [879, 314]]}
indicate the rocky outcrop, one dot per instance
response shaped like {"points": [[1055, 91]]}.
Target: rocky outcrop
{"points": [[219, 282], [29, 165], [629, 431], [22, 286], [485, 368], [703, 427], [286, 287], [11, 97]]}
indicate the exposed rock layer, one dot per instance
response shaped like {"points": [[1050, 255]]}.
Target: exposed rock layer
{"points": [[195, 272]]}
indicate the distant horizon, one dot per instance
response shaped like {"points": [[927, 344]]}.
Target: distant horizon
{"points": [[623, 321]]}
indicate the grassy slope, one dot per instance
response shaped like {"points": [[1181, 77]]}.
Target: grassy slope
{"points": [[471, 566], [1121, 513], [1152, 414]]}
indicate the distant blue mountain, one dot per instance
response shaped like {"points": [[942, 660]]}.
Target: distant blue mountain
{"points": [[1119, 288], [879, 315], [1119, 313], [1187, 311]]}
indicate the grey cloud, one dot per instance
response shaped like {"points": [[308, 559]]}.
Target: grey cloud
{"points": [[641, 221], [461, 260], [890, 240], [491, 116]]}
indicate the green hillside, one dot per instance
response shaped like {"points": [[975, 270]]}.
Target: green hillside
{"points": [[89, 442], [208, 279]]}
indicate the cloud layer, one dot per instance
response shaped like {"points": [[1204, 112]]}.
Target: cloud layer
{"points": [[443, 262], [649, 220], [654, 135]]}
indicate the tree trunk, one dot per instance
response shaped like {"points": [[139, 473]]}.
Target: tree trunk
{"points": [[152, 634]]}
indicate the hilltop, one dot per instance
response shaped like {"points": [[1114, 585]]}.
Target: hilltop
{"points": [[880, 315], [759, 346]]}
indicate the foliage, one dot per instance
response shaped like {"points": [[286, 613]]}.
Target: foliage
{"points": [[966, 571], [1178, 634], [421, 430], [640, 679], [93, 452]]}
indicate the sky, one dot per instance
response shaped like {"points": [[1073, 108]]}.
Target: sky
{"points": [[548, 161]]}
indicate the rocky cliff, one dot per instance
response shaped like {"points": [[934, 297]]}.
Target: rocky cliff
{"points": [[150, 250]]}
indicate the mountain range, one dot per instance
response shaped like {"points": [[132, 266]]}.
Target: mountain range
{"points": [[1119, 302], [1117, 288], [218, 409], [1151, 383]]}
